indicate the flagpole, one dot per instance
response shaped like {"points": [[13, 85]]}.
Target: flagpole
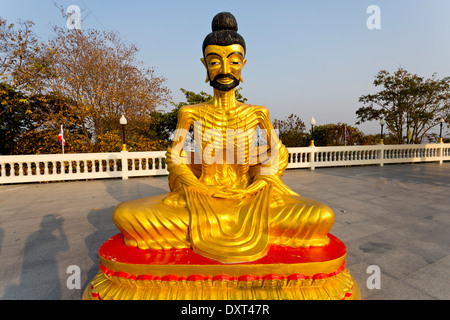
{"points": [[345, 136], [62, 141]]}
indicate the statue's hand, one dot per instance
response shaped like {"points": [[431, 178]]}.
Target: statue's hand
{"points": [[213, 189], [174, 199], [239, 194], [236, 194], [256, 186], [277, 200]]}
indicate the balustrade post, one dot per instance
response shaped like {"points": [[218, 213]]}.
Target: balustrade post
{"points": [[313, 155], [124, 158], [3, 170], [381, 154]]}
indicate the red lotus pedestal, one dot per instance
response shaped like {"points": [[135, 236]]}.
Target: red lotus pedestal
{"points": [[180, 274]]}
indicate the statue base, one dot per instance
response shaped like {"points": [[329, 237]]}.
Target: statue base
{"points": [[180, 274]]}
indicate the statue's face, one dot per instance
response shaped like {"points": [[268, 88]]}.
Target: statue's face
{"points": [[224, 65]]}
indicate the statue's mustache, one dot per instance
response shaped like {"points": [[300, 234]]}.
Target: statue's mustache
{"points": [[223, 76]]}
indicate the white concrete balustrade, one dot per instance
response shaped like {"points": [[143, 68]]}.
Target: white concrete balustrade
{"points": [[79, 166], [76, 166], [312, 157]]}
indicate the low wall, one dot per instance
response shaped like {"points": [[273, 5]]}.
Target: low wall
{"points": [[80, 166]]}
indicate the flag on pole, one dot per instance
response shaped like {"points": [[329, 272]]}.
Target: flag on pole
{"points": [[347, 134], [61, 138]]}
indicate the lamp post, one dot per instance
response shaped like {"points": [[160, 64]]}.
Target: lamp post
{"points": [[312, 122], [382, 123], [123, 123], [407, 132], [440, 133]]}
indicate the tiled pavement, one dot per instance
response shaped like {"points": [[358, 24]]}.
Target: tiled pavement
{"points": [[396, 217]]}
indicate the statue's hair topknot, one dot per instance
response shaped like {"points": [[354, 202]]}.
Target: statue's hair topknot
{"points": [[224, 32], [224, 21]]}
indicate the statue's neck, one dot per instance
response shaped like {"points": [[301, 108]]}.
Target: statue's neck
{"points": [[225, 100]]}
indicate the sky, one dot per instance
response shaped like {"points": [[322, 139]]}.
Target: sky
{"points": [[312, 58]]}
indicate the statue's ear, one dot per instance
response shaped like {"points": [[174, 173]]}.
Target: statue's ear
{"points": [[207, 75], [243, 64]]}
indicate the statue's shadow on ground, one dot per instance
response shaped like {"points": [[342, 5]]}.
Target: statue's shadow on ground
{"points": [[102, 220]]}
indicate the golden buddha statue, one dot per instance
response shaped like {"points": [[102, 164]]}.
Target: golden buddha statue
{"points": [[230, 228], [226, 207]]}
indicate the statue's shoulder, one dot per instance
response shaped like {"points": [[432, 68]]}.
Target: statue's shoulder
{"points": [[259, 110], [190, 110]]}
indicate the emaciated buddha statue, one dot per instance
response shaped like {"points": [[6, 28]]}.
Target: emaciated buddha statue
{"points": [[230, 229], [231, 204]]}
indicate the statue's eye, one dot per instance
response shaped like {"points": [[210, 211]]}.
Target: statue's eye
{"points": [[235, 62], [213, 63]]}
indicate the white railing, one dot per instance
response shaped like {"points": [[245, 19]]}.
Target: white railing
{"points": [[313, 157], [77, 166], [80, 166]]}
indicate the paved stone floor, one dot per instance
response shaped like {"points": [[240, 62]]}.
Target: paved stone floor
{"points": [[396, 217]]}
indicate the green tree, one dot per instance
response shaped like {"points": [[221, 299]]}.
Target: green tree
{"points": [[371, 139], [84, 80], [101, 75], [334, 135], [291, 131], [15, 108], [47, 117], [406, 101], [18, 46]]}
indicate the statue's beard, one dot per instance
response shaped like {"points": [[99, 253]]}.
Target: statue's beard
{"points": [[224, 87]]}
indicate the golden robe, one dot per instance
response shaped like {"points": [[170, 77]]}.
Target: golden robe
{"points": [[228, 209]]}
